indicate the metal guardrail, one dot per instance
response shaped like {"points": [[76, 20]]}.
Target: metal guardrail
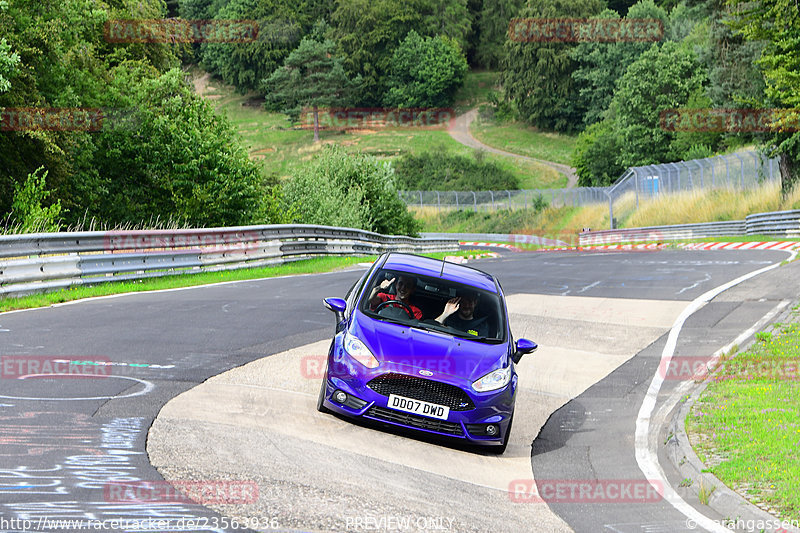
{"points": [[783, 223], [39, 262]]}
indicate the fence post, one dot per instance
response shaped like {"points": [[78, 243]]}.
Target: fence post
{"points": [[492, 193], [474, 201], [456, 200], [741, 163], [610, 210], [509, 199], [420, 199], [636, 184], [438, 203]]}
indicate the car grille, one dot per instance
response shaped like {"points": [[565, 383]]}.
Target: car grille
{"points": [[425, 390], [408, 419]]}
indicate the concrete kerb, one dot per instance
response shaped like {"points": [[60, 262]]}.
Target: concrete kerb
{"points": [[723, 500]]}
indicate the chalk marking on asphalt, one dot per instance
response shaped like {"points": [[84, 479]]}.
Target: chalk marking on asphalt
{"points": [[590, 286], [147, 388], [692, 286], [646, 456]]}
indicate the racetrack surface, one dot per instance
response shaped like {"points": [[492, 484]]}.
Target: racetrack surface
{"points": [[59, 454]]}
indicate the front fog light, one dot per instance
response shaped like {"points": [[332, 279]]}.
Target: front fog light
{"points": [[340, 396], [492, 430]]}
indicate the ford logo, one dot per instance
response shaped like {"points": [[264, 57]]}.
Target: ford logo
{"points": [[426, 372]]}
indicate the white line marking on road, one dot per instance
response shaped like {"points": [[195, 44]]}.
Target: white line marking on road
{"points": [[590, 286], [147, 388], [646, 455]]}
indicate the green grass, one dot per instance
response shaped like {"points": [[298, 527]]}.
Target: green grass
{"points": [[746, 425], [282, 150], [521, 139], [306, 266]]}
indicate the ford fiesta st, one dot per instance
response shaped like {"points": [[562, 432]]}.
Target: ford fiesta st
{"points": [[425, 344]]}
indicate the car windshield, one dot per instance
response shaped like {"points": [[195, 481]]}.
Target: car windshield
{"points": [[435, 304]]}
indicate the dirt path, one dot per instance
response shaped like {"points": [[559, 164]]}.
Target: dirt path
{"points": [[459, 130]]}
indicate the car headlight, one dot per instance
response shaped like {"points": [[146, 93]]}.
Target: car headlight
{"points": [[358, 351], [493, 380]]}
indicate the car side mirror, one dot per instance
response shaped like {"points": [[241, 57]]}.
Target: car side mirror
{"points": [[337, 305], [523, 346]]}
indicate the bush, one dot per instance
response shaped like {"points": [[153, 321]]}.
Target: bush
{"points": [[440, 171], [355, 191], [27, 209]]}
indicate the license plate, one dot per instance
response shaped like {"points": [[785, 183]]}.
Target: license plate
{"points": [[418, 407]]}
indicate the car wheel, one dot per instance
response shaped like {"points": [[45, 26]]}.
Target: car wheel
{"points": [[321, 398]]}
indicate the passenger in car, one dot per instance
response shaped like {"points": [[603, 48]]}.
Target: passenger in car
{"points": [[459, 313], [406, 286]]}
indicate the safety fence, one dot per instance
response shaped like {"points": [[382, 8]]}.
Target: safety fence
{"points": [[740, 170], [31, 263]]}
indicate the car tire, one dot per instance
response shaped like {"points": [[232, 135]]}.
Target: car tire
{"points": [[321, 398]]}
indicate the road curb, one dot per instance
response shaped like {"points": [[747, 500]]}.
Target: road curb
{"points": [[723, 500]]}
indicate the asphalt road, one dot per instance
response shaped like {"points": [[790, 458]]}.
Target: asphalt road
{"points": [[65, 440]]}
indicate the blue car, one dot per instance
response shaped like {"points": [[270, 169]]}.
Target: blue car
{"points": [[425, 344]]}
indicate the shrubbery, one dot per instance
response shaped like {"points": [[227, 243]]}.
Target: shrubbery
{"points": [[356, 191], [442, 171]]}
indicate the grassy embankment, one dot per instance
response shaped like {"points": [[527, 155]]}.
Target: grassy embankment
{"points": [[745, 426], [281, 149], [681, 208]]}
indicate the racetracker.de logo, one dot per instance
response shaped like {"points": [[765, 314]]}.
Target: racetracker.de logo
{"points": [[90, 119], [180, 31], [585, 491], [205, 241], [202, 492], [568, 30], [698, 368], [730, 120], [374, 118], [51, 366]]}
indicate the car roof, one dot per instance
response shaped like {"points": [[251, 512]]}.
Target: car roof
{"points": [[427, 266]]}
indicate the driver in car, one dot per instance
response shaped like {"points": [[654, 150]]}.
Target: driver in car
{"points": [[459, 313], [406, 285]]}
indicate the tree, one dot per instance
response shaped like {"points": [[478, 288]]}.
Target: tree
{"points": [[595, 156], [492, 23], [368, 31], [425, 72], [175, 159], [341, 189], [662, 78], [311, 76], [777, 23], [281, 23], [601, 65], [538, 75]]}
